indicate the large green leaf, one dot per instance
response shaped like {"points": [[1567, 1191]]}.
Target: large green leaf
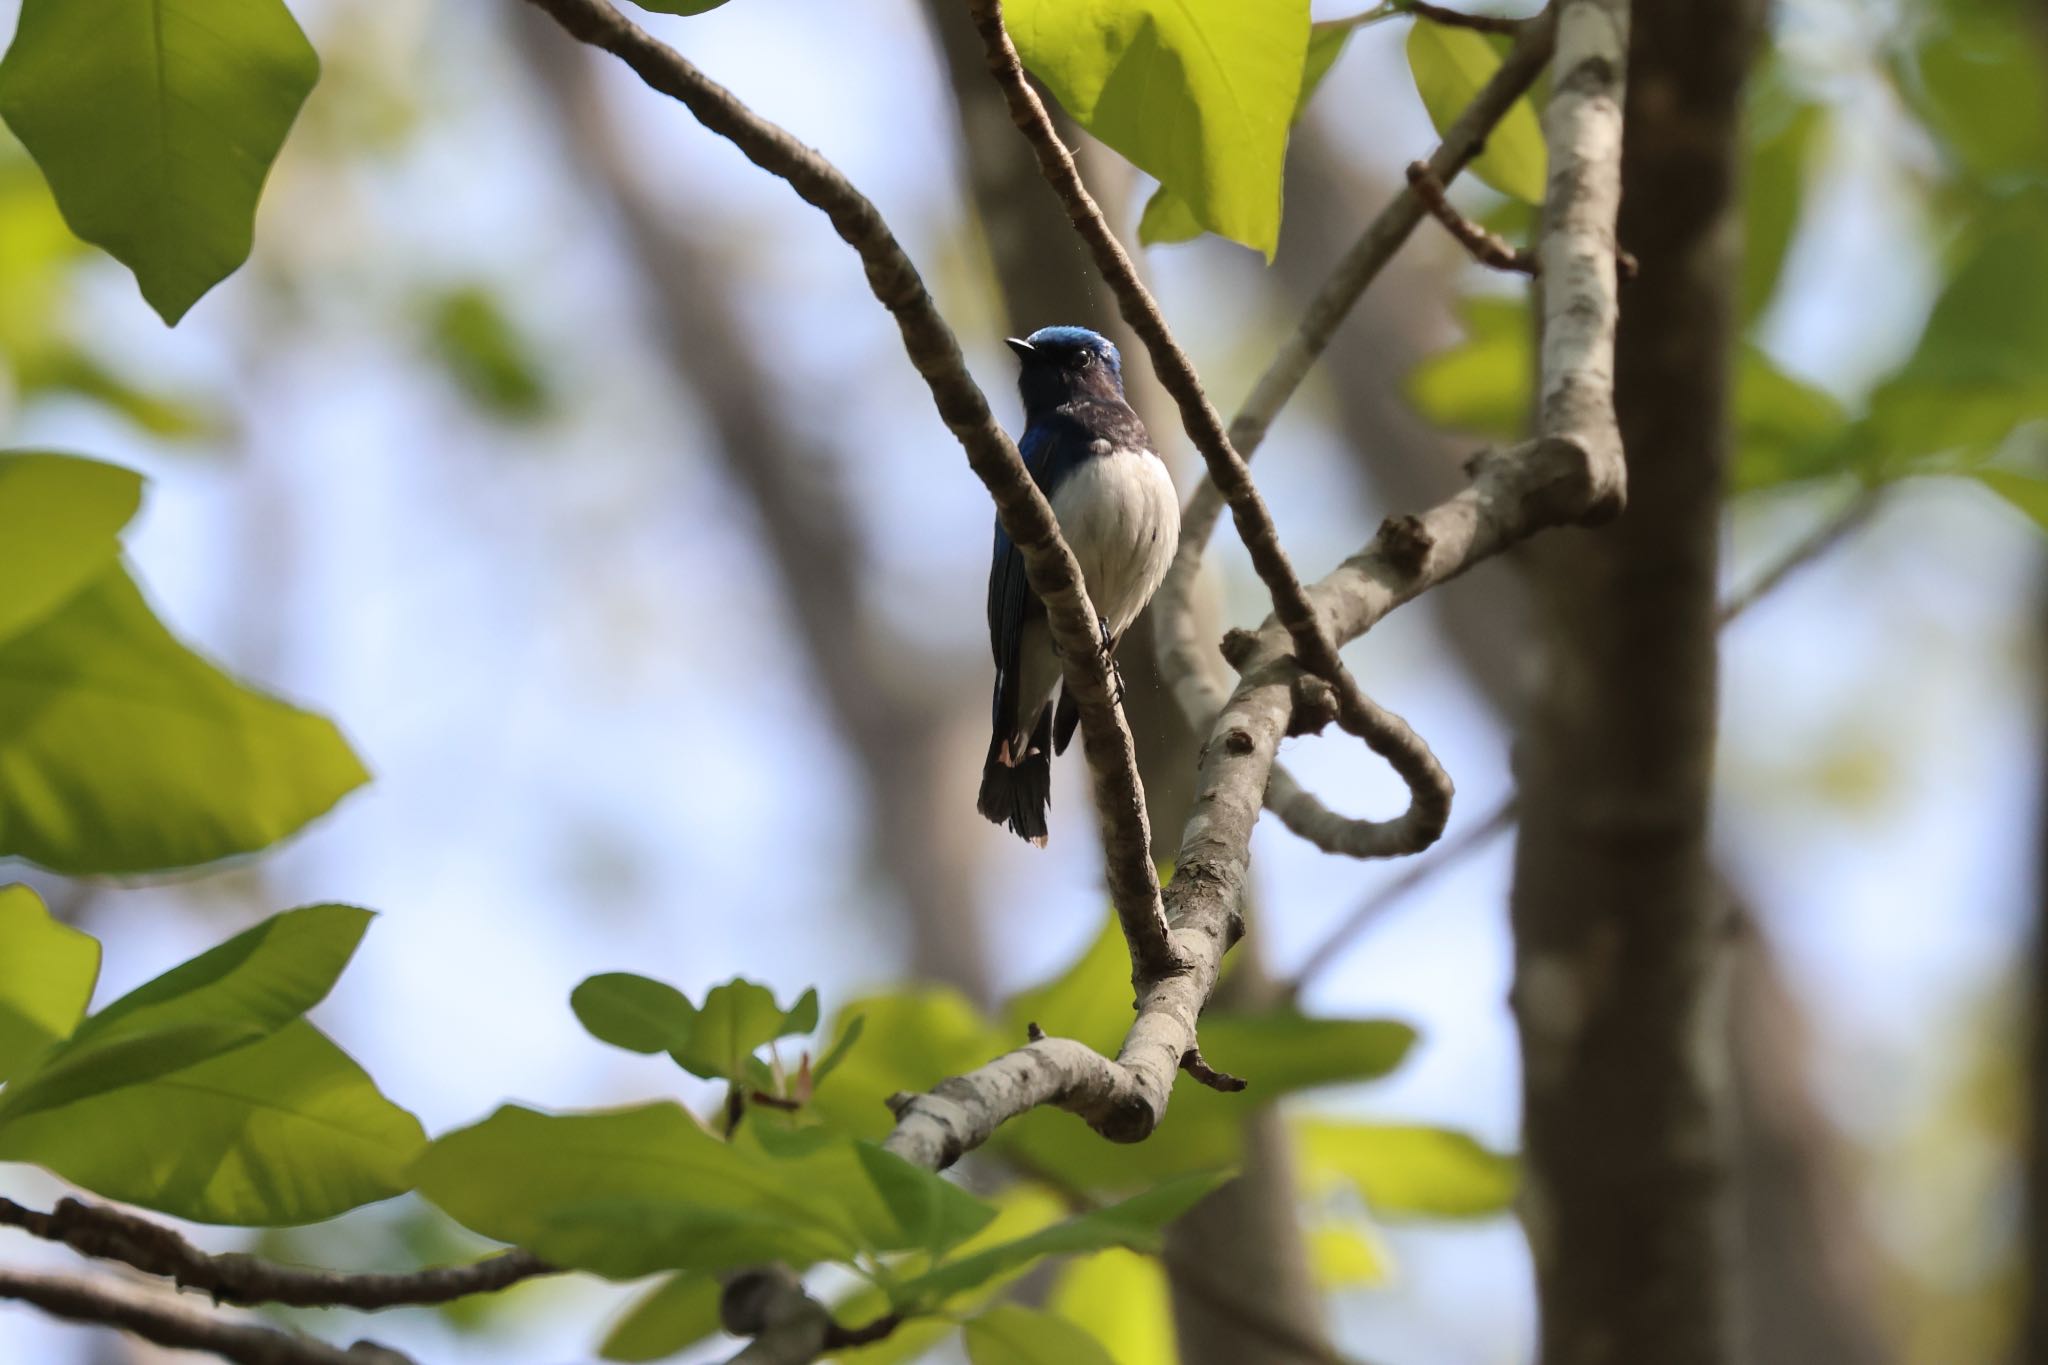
{"points": [[1011, 1334], [1136, 1223], [60, 526], [1979, 79], [1450, 65], [1167, 217], [634, 1191], [1782, 142], [122, 751], [676, 1314], [47, 972], [286, 1130], [634, 1012], [932, 1212], [1405, 1169], [909, 1041], [155, 122], [229, 996], [1122, 1299], [1090, 1001], [738, 1018], [1197, 92]]}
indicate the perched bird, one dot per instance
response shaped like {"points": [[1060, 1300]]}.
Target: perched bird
{"points": [[1117, 509]]}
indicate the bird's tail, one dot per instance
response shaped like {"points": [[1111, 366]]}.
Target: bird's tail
{"points": [[1017, 796]]}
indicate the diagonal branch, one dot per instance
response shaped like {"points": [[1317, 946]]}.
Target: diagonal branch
{"points": [[112, 1235], [935, 353], [1385, 733], [171, 1324]]}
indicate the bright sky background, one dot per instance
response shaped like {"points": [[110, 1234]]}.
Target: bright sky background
{"points": [[561, 652]]}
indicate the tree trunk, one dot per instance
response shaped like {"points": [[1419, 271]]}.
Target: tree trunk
{"points": [[1621, 936]]}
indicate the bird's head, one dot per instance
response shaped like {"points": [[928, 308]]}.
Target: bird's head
{"points": [[1064, 363]]}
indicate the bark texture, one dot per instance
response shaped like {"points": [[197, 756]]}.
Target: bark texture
{"points": [[1621, 936]]}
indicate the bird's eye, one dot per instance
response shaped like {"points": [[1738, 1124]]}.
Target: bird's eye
{"points": [[1084, 359]]}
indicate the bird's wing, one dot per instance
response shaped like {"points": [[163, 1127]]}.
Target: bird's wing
{"points": [[1049, 453]]}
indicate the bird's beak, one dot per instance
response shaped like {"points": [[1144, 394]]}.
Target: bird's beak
{"points": [[1022, 347]]}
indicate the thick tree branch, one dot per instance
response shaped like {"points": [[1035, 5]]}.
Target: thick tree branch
{"points": [[1386, 734], [935, 353], [112, 1235], [170, 1324]]}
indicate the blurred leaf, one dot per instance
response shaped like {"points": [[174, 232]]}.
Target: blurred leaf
{"points": [[680, 1311], [1344, 1256], [910, 1040], [934, 1214], [486, 355], [122, 751], [231, 995], [1284, 1050], [155, 122], [56, 367], [1402, 1169], [60, 528], [1982, 86], [1135, 1223], [1010, 1334], [636, 1013], [1450, 65], [1198, 93], [1167, 217], [47, 972], [1020, 1209], [1122, 1299], [680, 6], [739, 1017], [286, 1130], [849, 1034], [1090, 1000], [2027, 492], [1786, 429], [1781, 150]]}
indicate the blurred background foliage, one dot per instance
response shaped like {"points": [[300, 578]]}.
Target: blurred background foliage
{"points": [[563, 461]]}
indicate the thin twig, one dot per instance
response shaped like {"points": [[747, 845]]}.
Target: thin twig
{"points": [[230, 1277], [172, 1324], [1385, 733], [1853, 517], [1485, 247], [935, 352], [1457, 18]]}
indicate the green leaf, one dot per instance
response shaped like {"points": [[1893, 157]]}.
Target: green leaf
{"points": [[1347, 1256], [1010, 1334], [1786, 428], [1284, 1050], [631, 1192], [2026, 492], [1089, 1001], [1135, 1224], [738, 1018], [849, 1034], [122, 751], [1450, 65], [933, 1213], [47, 972], [1408, 1170], [1167, 217], [1980, 82], [1781, 151], [155, 122], [1122, 1299], [636, 1013], [679, 1312], [486, 355], [286, 1130], [1198, 93], [229, 996], [909, 1040], [60, 527]]}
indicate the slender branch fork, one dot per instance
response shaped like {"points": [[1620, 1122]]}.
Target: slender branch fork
{"points": [[1289, 672]]}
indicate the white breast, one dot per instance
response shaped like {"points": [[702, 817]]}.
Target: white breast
{"points": [[1121, 515]]}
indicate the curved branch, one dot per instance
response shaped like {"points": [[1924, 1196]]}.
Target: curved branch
{"points": [[935, 353], [170, 1324], [1387, 735], [112, 1235]]}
